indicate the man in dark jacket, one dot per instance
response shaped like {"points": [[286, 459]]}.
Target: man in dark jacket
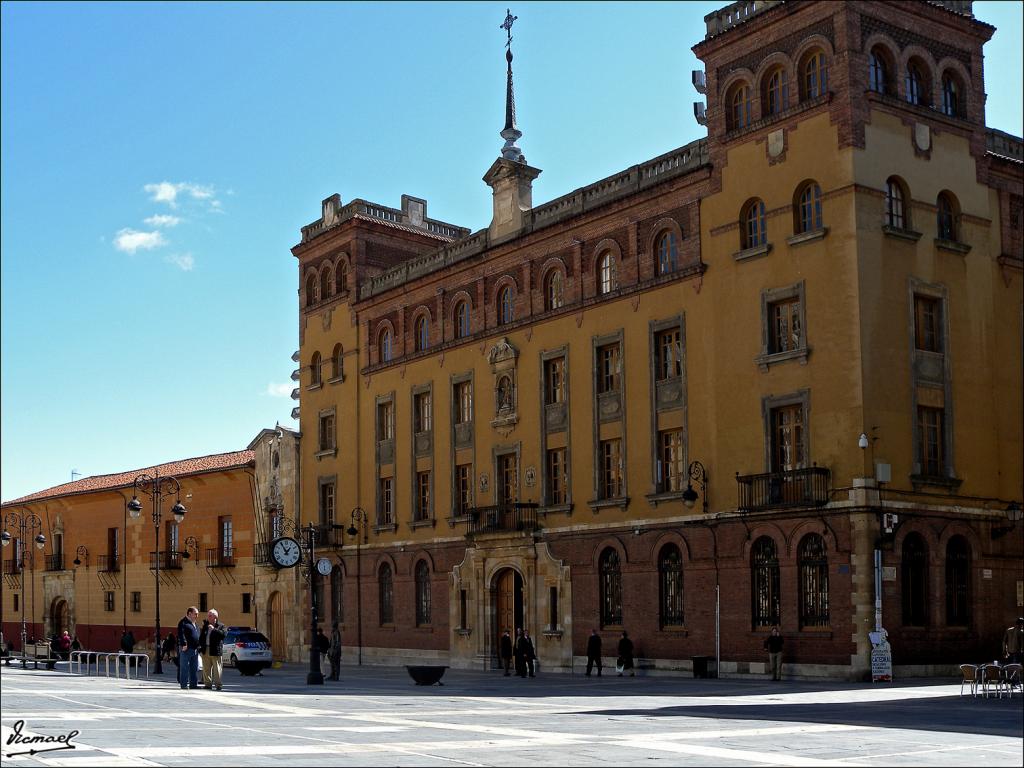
{"points": [[773, 644], [128, 641], [594, 652], [625, 659], [531, 654], [212, 642], [506, 651], [519, 653], [188, 649]]}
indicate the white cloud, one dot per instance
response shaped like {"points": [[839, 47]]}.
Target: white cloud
{"points": [[280, 390], [168, 192], [163, 220], [130, 240], [183, 261]]}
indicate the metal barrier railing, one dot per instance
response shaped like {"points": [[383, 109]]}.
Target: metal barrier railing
{"points": [[131, 660]]}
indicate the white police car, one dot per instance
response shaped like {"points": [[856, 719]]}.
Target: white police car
{"points": [[247, 650]]}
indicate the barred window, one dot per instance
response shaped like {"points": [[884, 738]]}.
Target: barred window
{"points": [[958, 568], [914, 581], [385, 588], [764, 588], [813, 563], [422, 593], [611, 589], [670, 578]]}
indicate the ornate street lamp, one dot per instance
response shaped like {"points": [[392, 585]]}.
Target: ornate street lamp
{"points": [[157, 488], [316, 675], [359, 524], [26, 525], [698, 473]]}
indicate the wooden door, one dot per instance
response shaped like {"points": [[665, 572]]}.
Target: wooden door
{"points": [[506, 603], [275, 619]]}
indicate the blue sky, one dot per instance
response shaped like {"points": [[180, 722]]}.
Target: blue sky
{"points": [[158, 160]]}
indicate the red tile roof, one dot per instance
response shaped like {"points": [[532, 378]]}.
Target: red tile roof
{"points": [[217, 462]]}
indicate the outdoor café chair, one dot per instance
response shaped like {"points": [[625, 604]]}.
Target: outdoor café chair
{"points": [[970, 673], [1012, 678], [991, 676]]}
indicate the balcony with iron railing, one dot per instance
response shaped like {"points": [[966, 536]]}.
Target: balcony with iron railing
{"points": [[169, 561], [55, 562], [108, 563], [13, 567], [261, 556], [516, 517], [220, 557], [805, 487]]}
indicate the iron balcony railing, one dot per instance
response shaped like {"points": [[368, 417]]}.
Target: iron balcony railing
{"points": [[513, 517], [109, 563], [807, 487], [55, 562], [325, 535], [13, 567], [262, 553], [220, 557], [169, 561]]}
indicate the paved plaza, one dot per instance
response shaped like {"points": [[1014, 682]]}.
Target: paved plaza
{"points": [[378, 717]]}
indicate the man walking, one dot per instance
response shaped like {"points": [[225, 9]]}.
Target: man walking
{"points": [[1013, 642], [531, 653], [506, 651], [594, 652], [188, 649], [773, 644], [212, 642]]}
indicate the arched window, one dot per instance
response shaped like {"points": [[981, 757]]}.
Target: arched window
{"points": [[668, 252], [462, 320], [310, 290], [808, 209], [914, 581], [776, 92], [952, 96], [384, 345], [738, 115], [879, 72], [553, 290], [607, 273], [947, 216], [916, 84], [764, 583], [895, 209], [341, 278], [958, 568], [338, 362], [326, 282], [506, 312], [753, 230], [385, 590], [422, 593], [314, 370], [611, 589], [422, 333], [815, 75], [813, 563], [670, 579]]}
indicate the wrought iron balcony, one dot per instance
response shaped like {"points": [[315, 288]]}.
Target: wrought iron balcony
{"points": [[520, 517], [807, 487], [262, 554], [108, 563], [220, 557], [13, 567], [55, 562], [169, 561]]}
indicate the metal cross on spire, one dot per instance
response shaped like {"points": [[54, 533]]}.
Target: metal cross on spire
{"points": [[507, 25]]}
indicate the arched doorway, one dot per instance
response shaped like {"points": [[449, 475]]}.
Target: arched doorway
{"points": [[275, 620], [60, 616], [508, 606]]}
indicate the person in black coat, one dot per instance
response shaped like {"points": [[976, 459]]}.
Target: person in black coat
{"points": [[211, 642], [594, 652], [625, 660], [128, 642], [188, 649], [519, 653], [531, 654], [506, 651]]}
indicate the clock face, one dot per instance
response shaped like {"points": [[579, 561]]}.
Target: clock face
{"points": [[286, 552], [323, 566]]}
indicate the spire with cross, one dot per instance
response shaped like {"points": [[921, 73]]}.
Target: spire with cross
{"points": [[510, 133]]}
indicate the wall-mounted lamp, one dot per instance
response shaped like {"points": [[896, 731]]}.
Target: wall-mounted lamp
{"points": [[698, 473], [81, 552], [1014, 513], [862, 442]]}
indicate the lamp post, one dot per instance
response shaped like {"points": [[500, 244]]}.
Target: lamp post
{"points": [[700, 475], [157, 488], [359, 524], [315, 676], [81, 552], [26, 524]]}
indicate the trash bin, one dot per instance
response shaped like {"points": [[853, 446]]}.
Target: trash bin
{"points": [[700, 666]]}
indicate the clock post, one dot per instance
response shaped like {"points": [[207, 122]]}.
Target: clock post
{"points": [[315, 676]]}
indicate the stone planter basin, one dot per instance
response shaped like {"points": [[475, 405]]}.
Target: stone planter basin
{"points": [[426, 675]]}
